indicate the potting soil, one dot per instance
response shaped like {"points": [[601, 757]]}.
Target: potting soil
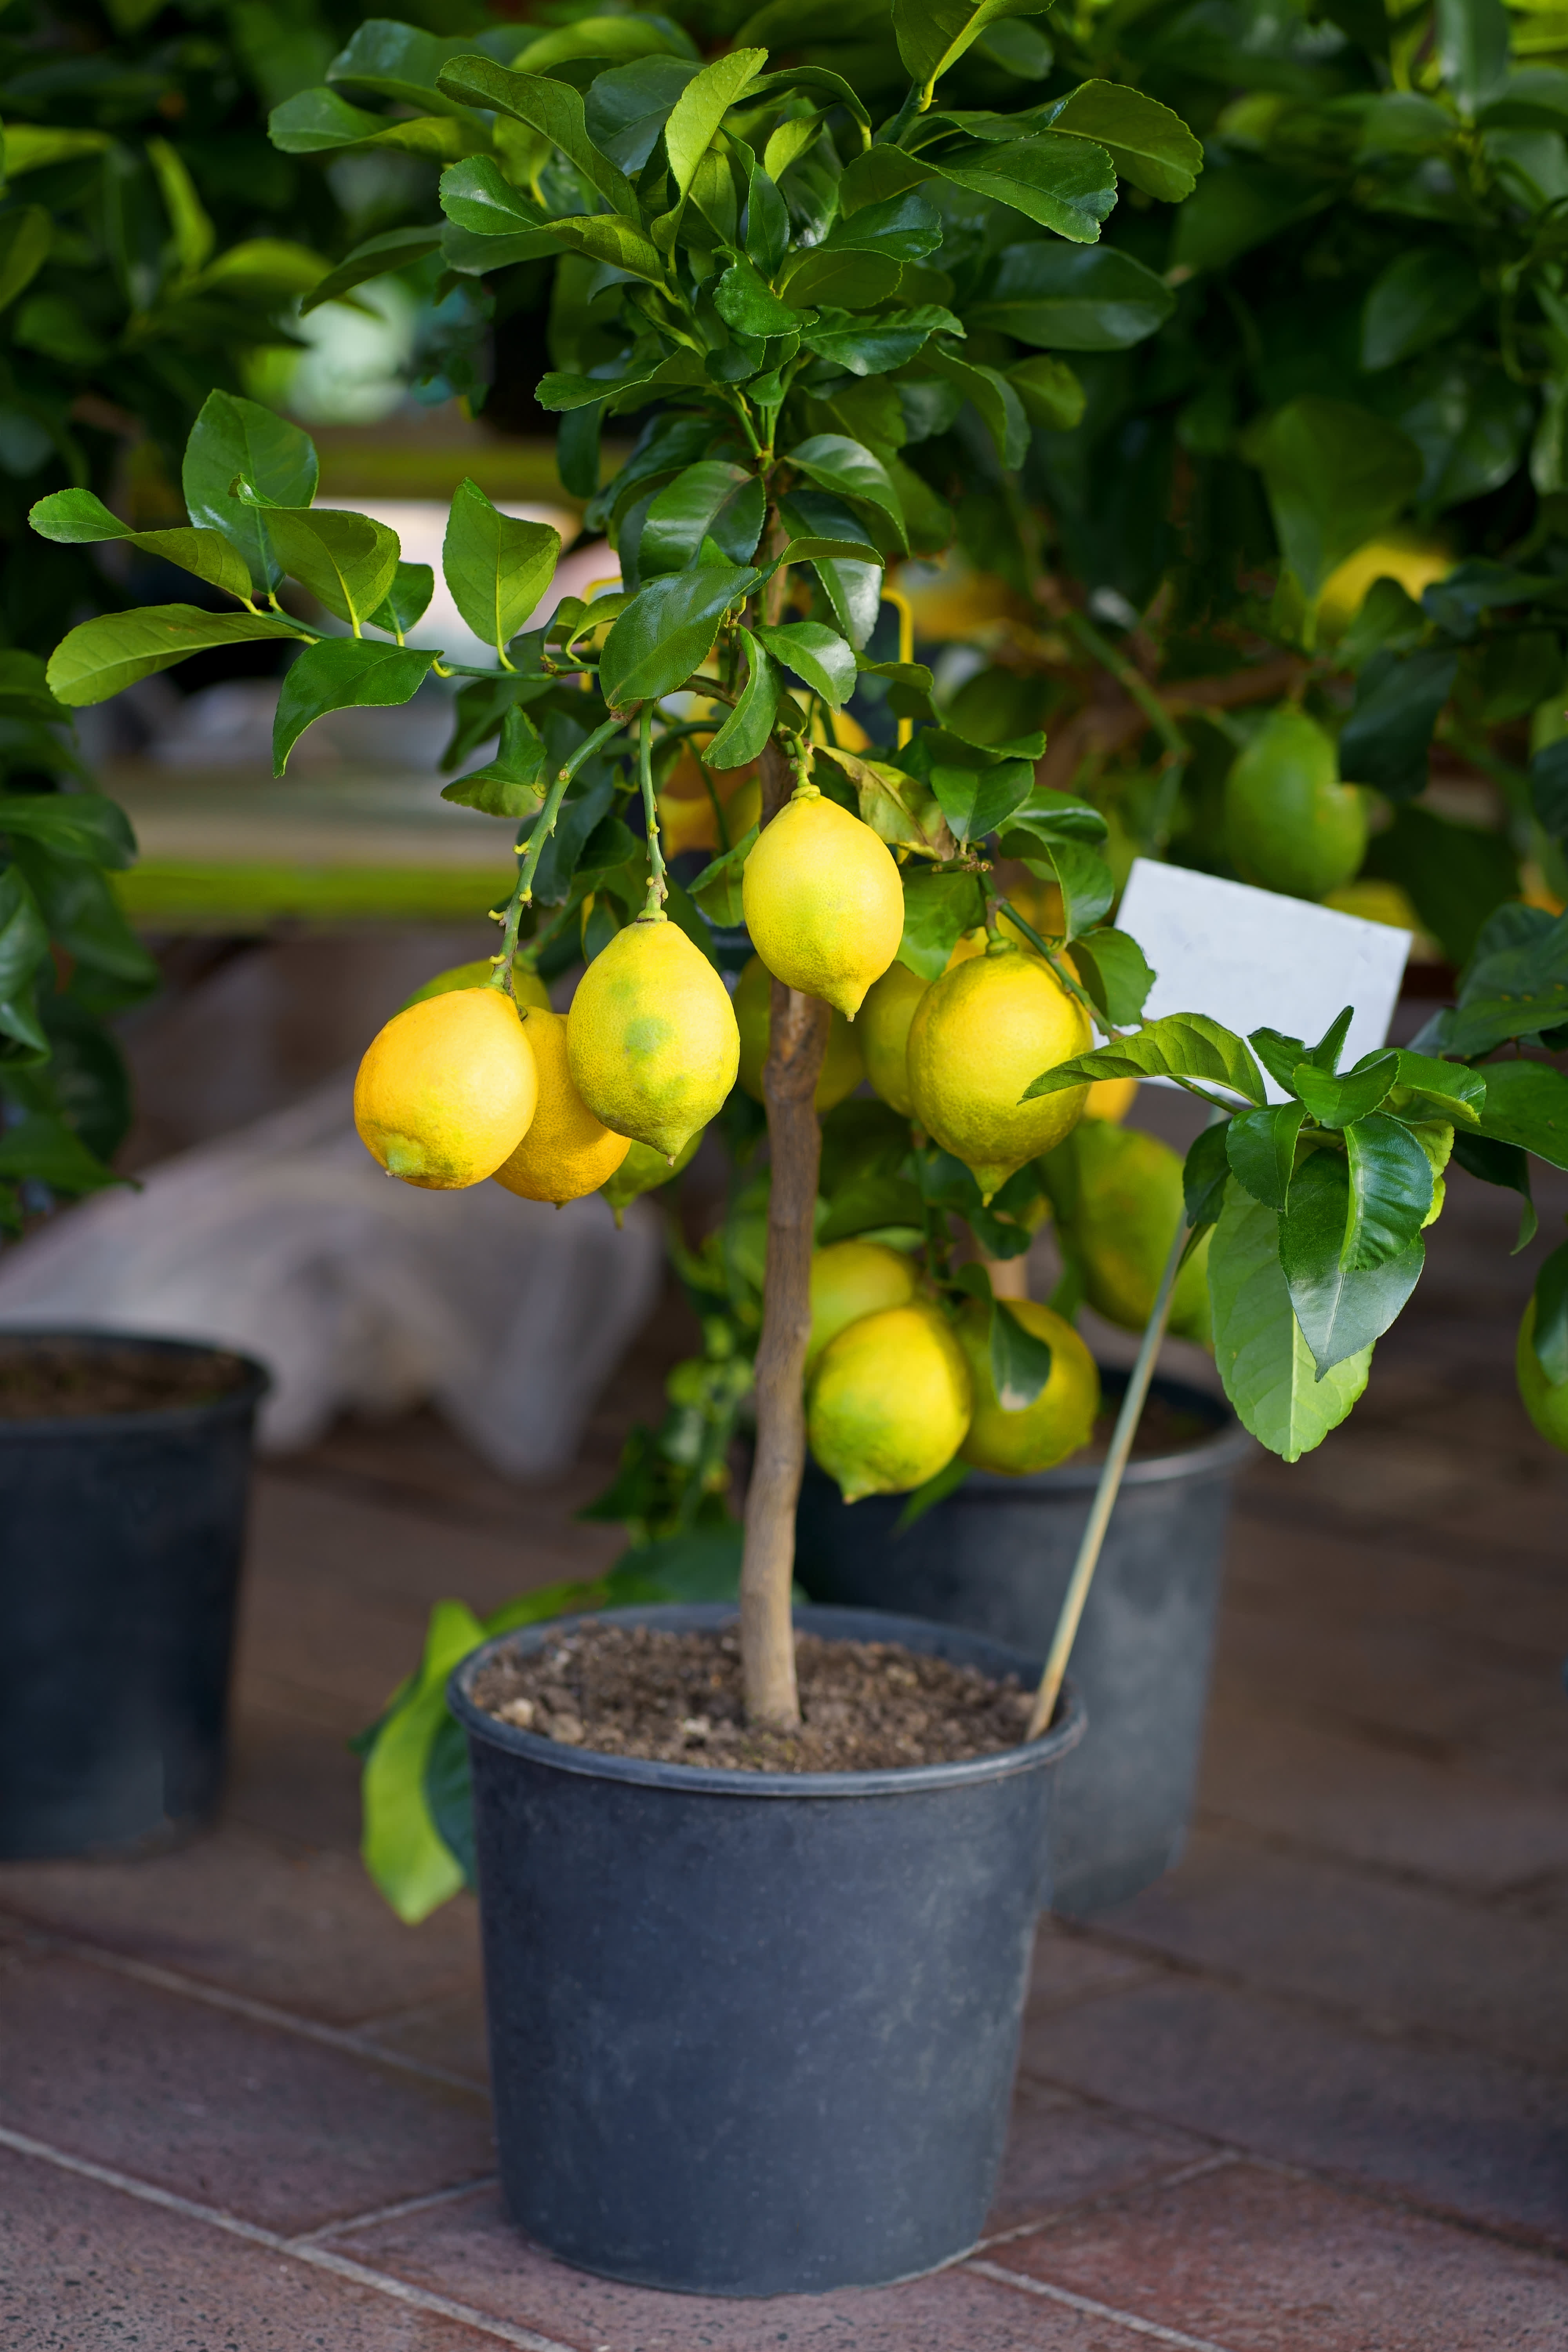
{"points": [[48, 1380]]}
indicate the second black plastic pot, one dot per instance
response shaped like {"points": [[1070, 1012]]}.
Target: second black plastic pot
{"points": [[996, 1556], [755, 2033]]}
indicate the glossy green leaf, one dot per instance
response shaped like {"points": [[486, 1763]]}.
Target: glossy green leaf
{"points": [[1390, 1183], [845, 467], [718, 888], [1334, 1101], [1550, 1337], [408, 600], [477, 256], [513, 783], [1527, 1105], [910, 686], [1181, 1045], [1085, 880], [235, 438], [1065, 184], [342, 674], [1070, 299], [42, 1147], [393, 249], [1149, 145], [1446, 1090], [101, 656], [612, 238], [750, 723], [552, 108], [1419, 299], [869, 1203], [818, 656], [866, 347], [999, 406], [1264, 1362], [932, 35], [478, 196], [714, 499], [643, 40], [1020, 1359], [627, 106], [1341, 1307], [560, 390], [1050, 394], [1115, 973], [852, 581], [745, 301], [1205, 1172], [1472, 48], [938, 909], [318, 120], [1387, 739], [77, 518], [24, 237], [402, 61], [976, 800], [702, 108], [905, 227], [1260, 1146], [497, 566], [1504, 1164], [24, 943], [1239, 205], [71, 824], [840, 280], [666, 632], [402, 1850], [1335, 475], [346, 560]]}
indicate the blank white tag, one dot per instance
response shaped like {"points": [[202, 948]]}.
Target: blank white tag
{"points": [[1254, 959]]}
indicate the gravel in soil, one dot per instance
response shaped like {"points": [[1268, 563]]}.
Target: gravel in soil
{"points": [[676, 1698], [54, 1379]]}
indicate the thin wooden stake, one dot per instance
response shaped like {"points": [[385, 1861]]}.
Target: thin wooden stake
{"points": [[1105, 1494]]}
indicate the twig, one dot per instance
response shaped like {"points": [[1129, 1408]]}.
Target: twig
{"points": [[657, 888], [543, 826]]}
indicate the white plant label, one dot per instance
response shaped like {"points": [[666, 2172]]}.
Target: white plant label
{"points": [[1254, 959]]}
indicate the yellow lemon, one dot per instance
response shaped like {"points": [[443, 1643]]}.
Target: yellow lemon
{"points": [[644, 1171], [849, 1279], [1061, 1418], [1547, 1406], [890, 1402], [979, 1035], [527, 988], [1110, 1098], [566, 1152], [882, 1031], [842, 1067], [651, 1039], [823, 902], [1129, 1202], [445, 1091], [1289, 824], [1407, 556]]}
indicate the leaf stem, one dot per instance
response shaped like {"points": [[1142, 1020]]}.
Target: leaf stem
{"points": [[1059, 965], [543, 826], [657, 889]]}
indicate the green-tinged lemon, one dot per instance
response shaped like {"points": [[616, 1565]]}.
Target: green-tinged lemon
{"points": [[1417, 562], [1547, 1406], [447, 1090], [1129, 1203], [824, 901], [1289, 824], [889, 1403], [644, 1171], [651, 1037], [1061, 1419], [842, 1067], [849, 1279], [981, 1034], [566, 1151], [527, 987], [882, 1031]]}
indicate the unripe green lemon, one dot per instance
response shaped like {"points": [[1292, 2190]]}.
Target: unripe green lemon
{"points": [[447, 1090], [566, 1151], [889, 1404], [1289, 824], [1061, 1418], [883, 1033], [824, 901], [979, 1037], [1408, 556], [651, 1039], [842, 1067], [1547, 1406], [527, 988], [1129, 1203], [849, 1279], [644, 1171]]}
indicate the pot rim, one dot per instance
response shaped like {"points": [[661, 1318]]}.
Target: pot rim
{"points": [[699, 1779], [1228, 1445], [61, 1426]]}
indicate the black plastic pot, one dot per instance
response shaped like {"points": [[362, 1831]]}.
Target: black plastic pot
{"points": [[755, 2033], [996, 1556], [120, 1542]]}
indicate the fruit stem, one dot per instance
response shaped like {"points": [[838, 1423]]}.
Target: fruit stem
{"points": [[543, 826], [657, 888]]}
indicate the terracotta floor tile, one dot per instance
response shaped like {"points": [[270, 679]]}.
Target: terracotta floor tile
{"points": [[86, 2269], [291, 1778], [268, 2125], [305, 1931], [1459, 2130], [446, 2034], [1071, 1965], [1260, 2262], [469, 2250], [1061, 2150]]}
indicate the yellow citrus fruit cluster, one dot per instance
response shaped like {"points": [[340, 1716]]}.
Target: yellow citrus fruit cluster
{"points": [[468, 1082], [895, 1390]]}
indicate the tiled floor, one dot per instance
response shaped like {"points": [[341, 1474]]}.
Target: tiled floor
{"points": [[1309, 2095]]}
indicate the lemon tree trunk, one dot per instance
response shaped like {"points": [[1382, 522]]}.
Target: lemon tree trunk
{"points": [[797, 1039]]}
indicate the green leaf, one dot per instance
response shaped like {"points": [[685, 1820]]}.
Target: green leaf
{"points": [[1549, 788], [1550, 1337], [1115, 974], [1504, 1164], [1264, 1362], [347, 561], [932, 35], [43, 1147], [1419, 299], [400, 61], [24, 237], [1205, 1172], [1335, 475], [24, 944], [554, 108], [101, 656], [71, 824], [1260, 1146], [909, 687], [1334, 1101], [905, 227], [1000, 408], [1065, 184], [1527, 1105], [1390, 1186], [1341, 1308], [1020, 1359], [666, 632], [868, 347], [682, 370], [745, 301], [826, 276], [234, 437], [836, 463], [975, 800], [852, 579], [393, 249], [748, 726], [1072, 299], [612, 238], [1457, 1094], [342, 674], [1472, 48], [402, 1850], [497, 566], [1084, 879], [478, 196], [78, 519], [1181, 1045], [1148, 144], [1385, 741], [938, 909], [627, 106], [1241, 204], [818, 656], [715, 500], [870, 1203], [408, 600], [513, 783], [717, 890], [702, 108], [315, 122]]}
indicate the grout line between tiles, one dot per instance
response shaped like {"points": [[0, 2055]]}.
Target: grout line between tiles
{"points": [[523, 2339], [404, 2205], [1150, 2182], [1092, 2310], [260, 2013]]}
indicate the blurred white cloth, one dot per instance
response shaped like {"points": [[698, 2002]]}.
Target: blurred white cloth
{"points": [[286, 1240]]}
